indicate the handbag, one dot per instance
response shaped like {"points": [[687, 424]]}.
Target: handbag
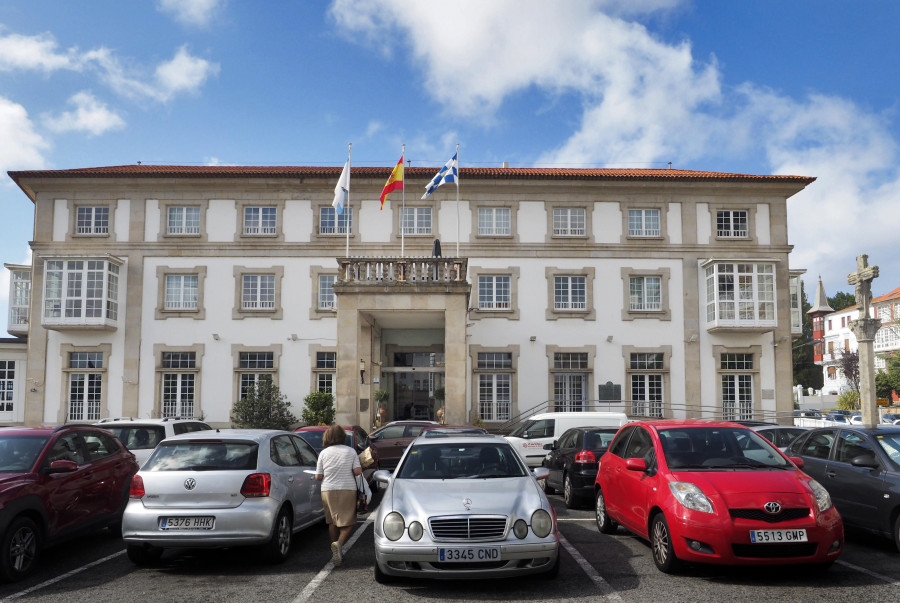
{"points": [[365, 457], [363, 494]]}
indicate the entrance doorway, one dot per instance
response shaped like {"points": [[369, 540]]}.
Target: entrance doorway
{"points": [[416, 386]]}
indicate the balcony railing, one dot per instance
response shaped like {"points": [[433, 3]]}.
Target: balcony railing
{"points": [[378, 271]]}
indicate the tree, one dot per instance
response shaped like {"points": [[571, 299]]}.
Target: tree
{"points": [[319, 409], [264, 407], [888, 381], [842, 300], [848, 401], [848, 362], [806, 372]]}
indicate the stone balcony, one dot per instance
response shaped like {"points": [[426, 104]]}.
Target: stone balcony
{"points": [[396, 270]]}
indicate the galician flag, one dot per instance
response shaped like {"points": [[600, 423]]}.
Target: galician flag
{"points": [[448, 173], [395, 182], [341, 190]]}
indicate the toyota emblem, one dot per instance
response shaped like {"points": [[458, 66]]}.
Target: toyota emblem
{"points": [[772, 508], [190, 483], [467, 503]]}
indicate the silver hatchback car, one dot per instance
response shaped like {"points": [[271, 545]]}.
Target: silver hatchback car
{"points": [[223, 488]]}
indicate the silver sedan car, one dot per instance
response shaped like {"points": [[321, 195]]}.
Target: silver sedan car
{"points": [[223, 488], [464, 506]]}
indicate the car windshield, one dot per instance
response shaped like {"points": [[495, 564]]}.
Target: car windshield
{"points": [[715, 448], [138, 437], [598, 440], [460, 461], [18, 453], [203, 455], [313, 438], [433, 433], [890, 443]]}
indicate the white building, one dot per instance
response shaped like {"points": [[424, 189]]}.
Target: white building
{"points": [[168, 290]]}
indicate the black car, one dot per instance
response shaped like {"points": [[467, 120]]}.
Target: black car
{"points": [[572, 462], [860, 468]]}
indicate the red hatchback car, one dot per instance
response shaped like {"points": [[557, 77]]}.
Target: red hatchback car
{"points": [[57, 483], [714, 492]]}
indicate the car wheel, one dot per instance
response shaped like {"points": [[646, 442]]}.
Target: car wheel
{"points": [[569, 493], [604, 523], [141, 554], [279, 545], [381, 577], [661, 545], [21, 548]]}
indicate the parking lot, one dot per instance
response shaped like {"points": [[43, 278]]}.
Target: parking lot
{"points": [[594, 566]]}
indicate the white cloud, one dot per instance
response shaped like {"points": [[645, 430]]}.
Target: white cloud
{"points": [[22, 146], [90, 115], [184, 73], [39, 53], [190, 12]]}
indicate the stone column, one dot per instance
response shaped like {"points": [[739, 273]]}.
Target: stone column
{"points": [[864, 330]]}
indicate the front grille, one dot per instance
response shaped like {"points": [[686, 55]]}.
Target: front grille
{"points": [[775, 551], [760, 515], [468, 527]]}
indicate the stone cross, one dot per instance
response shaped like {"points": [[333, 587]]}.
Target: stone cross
{"points": [[862, 278]]}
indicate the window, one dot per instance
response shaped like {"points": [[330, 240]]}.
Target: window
{"points": [[737, 386], [494, 292], [7, 383], [81, 292], [183, 221], [415, 220], [85, 379], [494, 371], [569, 293], [645, 293], [570, 381], [179, 384], [92, 220], [643, 223], [494, 221], [19, 298], [569, 222], [181, 291], [253, 368], [325, 371], [795, 286], [646, 375], [260, 221], [732, 223], [326, 291], [332, 223], [258, 292], [740, 294]]}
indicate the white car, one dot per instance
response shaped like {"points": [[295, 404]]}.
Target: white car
{"points": [[223, 488], [141, 436], [464, 506]]}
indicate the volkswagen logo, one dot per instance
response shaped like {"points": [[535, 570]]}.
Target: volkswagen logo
{"points": [[772, 508], [467, 503], [190, 483]]}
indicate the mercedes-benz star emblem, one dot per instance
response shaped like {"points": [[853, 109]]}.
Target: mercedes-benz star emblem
{"points": [[772, 508], [467, 503], [190, 483]]}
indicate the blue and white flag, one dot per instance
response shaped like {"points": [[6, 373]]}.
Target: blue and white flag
{"points": [[341, 190], [448, 173]]}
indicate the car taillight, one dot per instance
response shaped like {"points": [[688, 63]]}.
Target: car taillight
{"points": [[585, 456], [137, 487], [256, 485]]}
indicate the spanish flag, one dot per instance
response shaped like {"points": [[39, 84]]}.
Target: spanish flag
{"points": [[395, 182]]}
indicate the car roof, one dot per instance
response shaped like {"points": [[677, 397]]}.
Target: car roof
{"points": [[133, 421], [324, 427], [880, 429], [671, 423], [257, 435], [463, 438]]}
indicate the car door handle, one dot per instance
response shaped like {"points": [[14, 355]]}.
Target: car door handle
{"points": [[830, 473]]}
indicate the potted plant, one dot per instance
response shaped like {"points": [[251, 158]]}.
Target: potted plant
{"points": [[381, 400]]}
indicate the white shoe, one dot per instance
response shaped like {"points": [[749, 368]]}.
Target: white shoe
{"points": [[336, 557]]}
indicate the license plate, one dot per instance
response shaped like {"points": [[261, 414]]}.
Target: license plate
{"points": [[776, 536], [186, 523], [469, 554]]}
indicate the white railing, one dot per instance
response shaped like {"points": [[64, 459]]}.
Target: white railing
{"points": [[402, 270]]}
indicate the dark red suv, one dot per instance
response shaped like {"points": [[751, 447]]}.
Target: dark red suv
{"points": [[56, 483]]}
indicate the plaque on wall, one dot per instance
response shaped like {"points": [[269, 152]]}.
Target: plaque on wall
{"points": [[609, 392], [363, 404]]}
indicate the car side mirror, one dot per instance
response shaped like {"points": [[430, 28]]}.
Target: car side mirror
{"points": [[636, 464], [550, 446], [797, 461], [540, 473], [865, 460], [62, 466]]}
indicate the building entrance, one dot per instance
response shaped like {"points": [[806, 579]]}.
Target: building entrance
{"points": [[415, 385]]}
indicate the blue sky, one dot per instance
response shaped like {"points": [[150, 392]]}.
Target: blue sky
{"points": [[766, 87]]}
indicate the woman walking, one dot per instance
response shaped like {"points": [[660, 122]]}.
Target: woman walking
{"points": [[337, 469]]}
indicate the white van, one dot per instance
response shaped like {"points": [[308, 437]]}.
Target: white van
{"points": [[529, 438]]}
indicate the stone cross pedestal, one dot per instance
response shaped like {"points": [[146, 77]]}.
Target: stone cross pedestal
{"points": [[864, 329]]}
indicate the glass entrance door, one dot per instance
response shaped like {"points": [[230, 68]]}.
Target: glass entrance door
{"points": [[415, 395]]}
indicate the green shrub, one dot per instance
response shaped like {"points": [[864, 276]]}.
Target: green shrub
{"points": [[319, 409], [848, 401], [264, 407]]}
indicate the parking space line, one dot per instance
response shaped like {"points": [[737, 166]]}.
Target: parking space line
{"points": [[77, 570], [605, 589], [310, 588], [863, 570]]}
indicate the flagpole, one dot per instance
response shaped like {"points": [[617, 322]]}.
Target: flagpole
{"points": [[403, 204], [349, 215], [457, 199]]}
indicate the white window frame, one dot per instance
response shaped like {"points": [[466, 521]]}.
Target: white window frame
{"points": [[182, 292], [80, 292], [494, 292], [565, 292], [570, 372], [19, 297], [92, 220], [494, 221], [183, 220], [331, 223], [494, 372], [738, 374], [732, 223], [645, 293], [7, 386], [85, 384], [260, 221], [178, 386], [741, 294], [327, 301], [325, 371], [253, 367], [569, 222], [644, 223], [416, 221], [258, 292]]}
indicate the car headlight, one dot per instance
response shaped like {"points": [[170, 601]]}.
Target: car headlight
{"points": [[394, 526], [823, 499], [416, 530], [520, 529], [690, 496], [541, 523]]}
